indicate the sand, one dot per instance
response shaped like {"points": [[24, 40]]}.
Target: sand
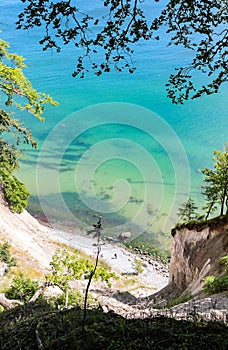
{"points": [[38, 243]]}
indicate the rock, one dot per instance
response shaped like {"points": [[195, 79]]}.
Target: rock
{"points": [[109, 239], [125, 235], [52, 292], [3, 268]]}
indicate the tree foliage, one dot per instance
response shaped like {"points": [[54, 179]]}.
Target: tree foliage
{"points": [[216, 183], [187, 211], [16, 91], [200, 26], [69, 265], [22, 288], [218, 284], [108, 41]]}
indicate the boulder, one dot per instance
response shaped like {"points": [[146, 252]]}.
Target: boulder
{"points": [[125, 235]]}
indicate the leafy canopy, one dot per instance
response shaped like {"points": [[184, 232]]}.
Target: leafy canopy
{"points": [[216, 183], [215, 190], [22, 288], [69, 265], [107, 41], [15, 91]]}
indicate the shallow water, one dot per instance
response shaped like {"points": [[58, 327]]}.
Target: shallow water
{"points": [[115, 146]]}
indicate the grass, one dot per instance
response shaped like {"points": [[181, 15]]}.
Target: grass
{"points": [[200, 225], [24, 327], [145, 248], [183, 298]]}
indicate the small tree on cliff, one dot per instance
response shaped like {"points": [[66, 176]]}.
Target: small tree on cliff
{"points": [[15, 91], [187, 211], [216, 187]]}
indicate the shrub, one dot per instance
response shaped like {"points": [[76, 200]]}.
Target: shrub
{"points": [[75, 298], [15, 192], [5, 255], [22, 288], [215, 285], [220, 284], [138, 266], [67, 265], [183, 298], [224, 262]]}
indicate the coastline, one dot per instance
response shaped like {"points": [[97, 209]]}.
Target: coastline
{"points": [[36, 244]]}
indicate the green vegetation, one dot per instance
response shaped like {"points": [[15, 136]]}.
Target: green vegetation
{"points": [[138, 266], [22, 288], [215, 285], [218, 284], [216, 188], [26, 327], [16, 91], [200, 225], [69, 265], [187, 212], [216, 192], [75, 298], [146, 248], [15, 192], [183, 298], [5, 255], [107, 39]]}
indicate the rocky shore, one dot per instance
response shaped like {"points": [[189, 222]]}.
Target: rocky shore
{"points": [[35, 245]]}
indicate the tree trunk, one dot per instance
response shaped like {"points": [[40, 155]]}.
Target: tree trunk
{"points": [[67, 297], [223, 200], [7, 303]]}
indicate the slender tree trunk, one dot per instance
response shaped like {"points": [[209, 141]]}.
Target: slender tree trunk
{"points": [[223, 199], [67, 298], [209, 210], [222, 207], [89, 282]]}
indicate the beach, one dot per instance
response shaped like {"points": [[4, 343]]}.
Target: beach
{"points": [[35, 245]]}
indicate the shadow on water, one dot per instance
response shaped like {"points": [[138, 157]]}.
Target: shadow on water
{"points": [[81, 217]]}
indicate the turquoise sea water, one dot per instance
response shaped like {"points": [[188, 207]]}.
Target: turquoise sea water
{"points": [[115, 146]]}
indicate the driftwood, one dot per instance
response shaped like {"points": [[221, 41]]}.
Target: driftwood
{"points": [[9, 304], [41, 289]]}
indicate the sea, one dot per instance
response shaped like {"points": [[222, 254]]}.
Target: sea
{"points": [[115, 147]]}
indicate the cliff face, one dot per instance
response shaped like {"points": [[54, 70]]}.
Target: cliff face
{"points": [[195, 254]]}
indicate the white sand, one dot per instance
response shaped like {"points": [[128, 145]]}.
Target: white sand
{"points": [[26, 234]]}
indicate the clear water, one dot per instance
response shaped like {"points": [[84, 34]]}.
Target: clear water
{"points": [[115, 146]]}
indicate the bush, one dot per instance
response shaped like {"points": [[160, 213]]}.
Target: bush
{"points": [[224, 262], [22, 288], [15, 192], [138, 266], [183, 298], [75, 298], [220, 284], [215, 285], [68, 265], [5, 255]]}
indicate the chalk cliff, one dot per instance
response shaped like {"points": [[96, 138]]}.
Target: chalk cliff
{"points": [[196, 250]]}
